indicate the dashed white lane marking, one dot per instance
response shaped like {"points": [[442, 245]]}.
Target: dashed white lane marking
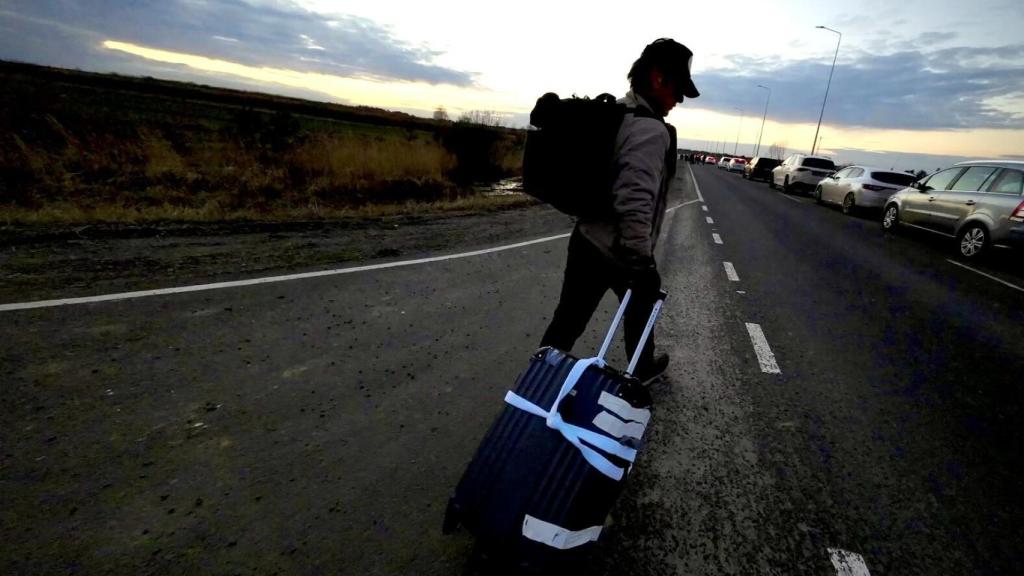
{"points": [[730, 271], [718, 239], [765, 357], [695, 185], [265, 280], [709, 219], [848, 563], [704, 207], [989, 276], [788, 197]]}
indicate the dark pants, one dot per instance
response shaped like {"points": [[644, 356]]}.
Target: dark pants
{"points": [[588, 275]]}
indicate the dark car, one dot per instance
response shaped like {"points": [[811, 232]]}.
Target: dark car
{"points": [[760, 168]]}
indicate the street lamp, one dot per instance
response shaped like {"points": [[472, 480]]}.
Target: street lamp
{"points": [[761, 133], [738, 130], [829, 85]]}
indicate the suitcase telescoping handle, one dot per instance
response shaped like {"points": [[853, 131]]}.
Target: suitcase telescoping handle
{"points": [[635, 357]]}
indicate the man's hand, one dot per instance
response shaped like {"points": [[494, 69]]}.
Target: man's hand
{"points": [[643, 275]]}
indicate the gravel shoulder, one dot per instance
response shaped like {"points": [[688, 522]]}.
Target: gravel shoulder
{"points": [[44, 263]]}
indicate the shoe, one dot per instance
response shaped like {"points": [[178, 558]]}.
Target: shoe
{"points": [[648, 372]]}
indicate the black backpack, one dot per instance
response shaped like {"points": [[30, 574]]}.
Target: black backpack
{"points": [[568, 161]]}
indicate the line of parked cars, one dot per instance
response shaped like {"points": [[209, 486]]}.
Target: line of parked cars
{"points": [[979, 203]]}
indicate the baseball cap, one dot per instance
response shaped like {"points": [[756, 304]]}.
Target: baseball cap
{"points": [[674, 60]]}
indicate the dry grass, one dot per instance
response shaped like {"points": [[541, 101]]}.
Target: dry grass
{"points": [[114, 157], [346, 162], [71, 214]]}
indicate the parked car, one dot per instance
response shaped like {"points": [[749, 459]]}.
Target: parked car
{"points": [[723, 163], [709, 159], [856, 187], [760, 168], [979, 203], [736, 165], [801, 172]]}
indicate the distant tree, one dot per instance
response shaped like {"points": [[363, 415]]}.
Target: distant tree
{"points": [[440, 113], [482, 117]]}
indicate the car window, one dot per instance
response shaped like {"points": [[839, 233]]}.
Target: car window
{"points": [[941, 180], [856, 172], [974, 178], [820, 163], [897, 178], [1009, 182], [842, 173]]}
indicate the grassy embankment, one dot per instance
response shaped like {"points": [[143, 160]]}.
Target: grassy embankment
{"points": [[89, 148]]}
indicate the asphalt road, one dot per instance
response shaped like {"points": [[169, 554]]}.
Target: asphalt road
{"points": [[317, 426]]}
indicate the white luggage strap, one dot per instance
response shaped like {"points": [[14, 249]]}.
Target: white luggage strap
{"points": [[574, 434]]}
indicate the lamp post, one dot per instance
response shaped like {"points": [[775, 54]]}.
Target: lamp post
{"points": [[738, 130], [761, 133], [829, 85]]}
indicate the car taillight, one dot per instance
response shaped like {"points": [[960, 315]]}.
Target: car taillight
{"points": [[875, 188], [1018, 214]]}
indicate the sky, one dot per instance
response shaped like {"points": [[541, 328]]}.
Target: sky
{"points": [[916, 85]]}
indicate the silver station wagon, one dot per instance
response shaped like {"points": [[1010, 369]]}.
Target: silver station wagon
{"points": [[981, 204]]}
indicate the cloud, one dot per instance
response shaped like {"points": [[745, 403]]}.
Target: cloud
{"points": [[277, 34], [951, 88]]}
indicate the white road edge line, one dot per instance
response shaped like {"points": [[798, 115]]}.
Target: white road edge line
{"points": [[695, 185], [717, 238], [848, 563], [730, 271], [765, 357], [678, 206], [272, 279], [989, 276], [264, 280], [789, 198], [709, 219]]}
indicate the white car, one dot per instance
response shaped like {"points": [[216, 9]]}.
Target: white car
{"points": [[723, 164], [736, 165], [801, 172], [856, 187]]}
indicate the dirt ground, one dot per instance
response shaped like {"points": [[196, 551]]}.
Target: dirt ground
{"points": [[53, 262]]}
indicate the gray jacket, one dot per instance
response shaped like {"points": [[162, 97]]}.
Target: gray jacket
{"points": [[640, 191]]}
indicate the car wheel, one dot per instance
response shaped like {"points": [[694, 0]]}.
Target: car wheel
{"points": [[890, 218], [785, 186], [973, 240], [848, 204], [817, 195]]}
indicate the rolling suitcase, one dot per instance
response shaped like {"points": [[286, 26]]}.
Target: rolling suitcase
{"points": [[543, 481]]}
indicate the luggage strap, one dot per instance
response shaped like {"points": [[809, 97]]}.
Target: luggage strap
{"points": [[574, 434]]}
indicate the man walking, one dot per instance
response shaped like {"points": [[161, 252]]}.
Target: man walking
{"points": [[617, 251]]}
